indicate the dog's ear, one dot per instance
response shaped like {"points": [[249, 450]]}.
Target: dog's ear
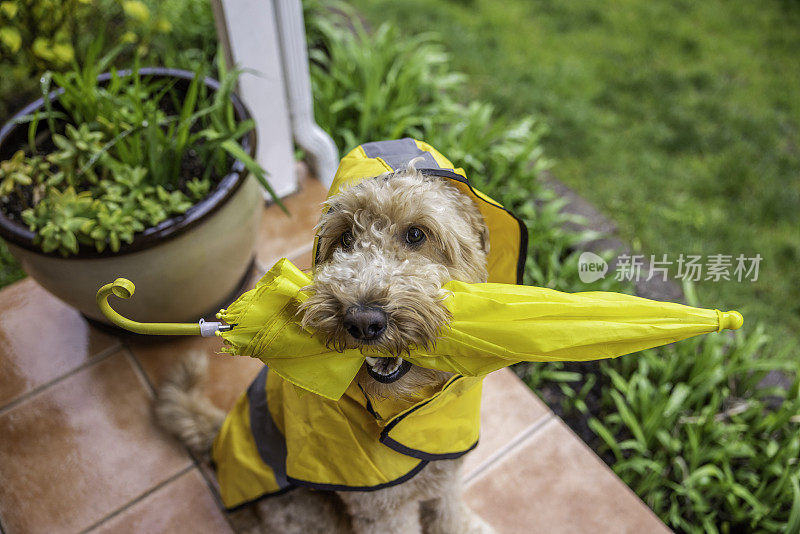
{"points": [[466, 246], [484, 237], [465, 250], [475, 220], [330, 228], [475, 259]]}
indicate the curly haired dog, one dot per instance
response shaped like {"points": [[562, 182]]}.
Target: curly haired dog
{"points": [[386, 247]]}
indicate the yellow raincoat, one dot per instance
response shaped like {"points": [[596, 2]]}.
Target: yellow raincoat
{"points": [[305, 421], [279, 436]]}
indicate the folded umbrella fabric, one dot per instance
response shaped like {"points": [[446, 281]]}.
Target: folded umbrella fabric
{"points": [[492, 326]]}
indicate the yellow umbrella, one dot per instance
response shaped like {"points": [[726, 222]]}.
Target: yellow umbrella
{"points": [[493, 326]]}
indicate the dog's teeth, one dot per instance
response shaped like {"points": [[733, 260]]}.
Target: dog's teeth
{"points": [[395, 367], [375, 364]]}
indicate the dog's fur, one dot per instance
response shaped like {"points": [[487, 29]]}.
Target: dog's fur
{"points": [[366, 259]]}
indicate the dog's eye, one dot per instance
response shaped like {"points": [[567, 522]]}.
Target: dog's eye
{"points": [[414, 236], [346, 240]]}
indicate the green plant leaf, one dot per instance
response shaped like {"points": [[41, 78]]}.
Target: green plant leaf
{"points": [[11, 38], [236, 151], [793, 525]]}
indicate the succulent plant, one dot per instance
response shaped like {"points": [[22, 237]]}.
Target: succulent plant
{"points": [[60, 217], [15, 172]]}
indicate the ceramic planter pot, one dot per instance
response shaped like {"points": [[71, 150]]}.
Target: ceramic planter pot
{"points": [[185, 268]]}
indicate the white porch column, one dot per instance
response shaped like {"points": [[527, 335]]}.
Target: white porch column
{"points": [[267, 37], [248, 32]]}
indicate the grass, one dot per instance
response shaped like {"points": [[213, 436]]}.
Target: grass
{"points": [[680, 120]]}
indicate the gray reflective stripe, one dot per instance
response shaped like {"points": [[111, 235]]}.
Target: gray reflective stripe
{"points": [[399, 152], [269, 441]]}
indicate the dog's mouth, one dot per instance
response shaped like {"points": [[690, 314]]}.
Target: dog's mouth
{"points": [[387, 370]]}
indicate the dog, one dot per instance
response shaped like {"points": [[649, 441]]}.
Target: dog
{"points": [[386, 246]]}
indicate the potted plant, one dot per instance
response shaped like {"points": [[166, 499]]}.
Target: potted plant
{"points": [[147, 174]]}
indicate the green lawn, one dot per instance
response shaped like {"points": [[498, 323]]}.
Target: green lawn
{"points": [[680, 120]]}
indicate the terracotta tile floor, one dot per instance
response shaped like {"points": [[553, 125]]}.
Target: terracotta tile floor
{"points": [[79, 451]]}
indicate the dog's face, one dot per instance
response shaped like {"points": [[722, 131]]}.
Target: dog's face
{"points": [[386, 247]]}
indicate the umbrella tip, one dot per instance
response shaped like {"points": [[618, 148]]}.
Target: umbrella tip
{"points": [[731, 320]]}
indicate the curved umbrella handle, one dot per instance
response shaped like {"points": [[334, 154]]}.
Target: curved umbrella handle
{"points": [[124, 288]]}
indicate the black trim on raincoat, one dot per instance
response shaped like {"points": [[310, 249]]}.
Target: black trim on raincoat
{"points": [[422, 455], [338, 487]]}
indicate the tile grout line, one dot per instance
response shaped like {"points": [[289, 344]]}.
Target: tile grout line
{"points": [[509, 447], [216, 498], [139, 370], [97, 358], [138, 499], [150, 387]]}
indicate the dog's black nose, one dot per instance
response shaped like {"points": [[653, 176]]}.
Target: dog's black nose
{"points": [[365, 322]]}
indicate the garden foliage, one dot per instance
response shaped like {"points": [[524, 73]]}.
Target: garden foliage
{"points": [[41, 35], [37, 35]]}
